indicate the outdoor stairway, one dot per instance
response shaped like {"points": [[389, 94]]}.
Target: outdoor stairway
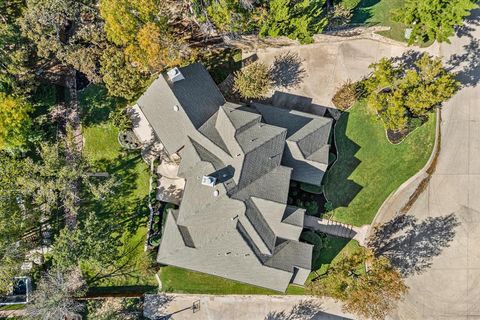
{"points": [[336, 228]]}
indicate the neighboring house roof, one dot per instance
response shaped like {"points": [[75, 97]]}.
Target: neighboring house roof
{"points": [[241, 228]]}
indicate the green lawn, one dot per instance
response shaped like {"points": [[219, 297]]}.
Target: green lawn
{"points": [[369, 167], [185, 281], [378, 12], [126, 208]]}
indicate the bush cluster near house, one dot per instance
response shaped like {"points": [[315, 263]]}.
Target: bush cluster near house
{"points": [[253, 81], [401, 94], [346, 95]]}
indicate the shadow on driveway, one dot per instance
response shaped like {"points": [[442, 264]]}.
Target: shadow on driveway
{"points": [[411, 245]]}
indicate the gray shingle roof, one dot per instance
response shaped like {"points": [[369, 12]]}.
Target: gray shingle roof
{"points": [[307, 141], [196, 97], [241, 228]]}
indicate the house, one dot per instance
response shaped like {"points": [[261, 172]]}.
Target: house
{"points": [[237, 162]]}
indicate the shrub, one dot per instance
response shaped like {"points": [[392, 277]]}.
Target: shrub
{"points": [[253, 81], [339, 16], [311, 207], [346, 96]]}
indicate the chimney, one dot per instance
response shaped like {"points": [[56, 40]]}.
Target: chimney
{"points": [[209, 181], [175, 75]]}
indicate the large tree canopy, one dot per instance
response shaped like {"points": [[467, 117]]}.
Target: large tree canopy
{"points": [[433, 19], [368, 286]]}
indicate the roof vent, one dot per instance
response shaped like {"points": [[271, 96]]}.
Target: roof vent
{"points": [[209, 181], [175, 75], [176, 108], [216, 193]]}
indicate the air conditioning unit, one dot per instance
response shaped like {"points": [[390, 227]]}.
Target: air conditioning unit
{"points": [[175, 75]]}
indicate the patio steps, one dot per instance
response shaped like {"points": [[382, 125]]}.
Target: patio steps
{"points": [[330, 227]]}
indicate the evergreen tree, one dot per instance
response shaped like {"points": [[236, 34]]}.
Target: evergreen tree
{"points": [[121, 78], [295, 19], [399, 93]]}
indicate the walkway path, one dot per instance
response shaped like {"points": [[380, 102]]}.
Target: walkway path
{"points": [[338, 229]]}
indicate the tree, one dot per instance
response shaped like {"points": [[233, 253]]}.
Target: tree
{"points": [[49, 180], [235, 16], [143, 28], [121, 78], [377, 291], [90, 244], [429, 86], [294, 19], [66, 31], [15, 121], [55, 295], [399, 93], [155, 48], [16, 52], [433, 19], [253, 81], [369, 287], [15, 218], [346, 95], [123, 18]]}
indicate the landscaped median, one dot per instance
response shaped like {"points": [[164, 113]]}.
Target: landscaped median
{"points": [[369, 168]]}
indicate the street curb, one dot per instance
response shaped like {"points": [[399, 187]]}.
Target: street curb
{"points": [[419, 174]]}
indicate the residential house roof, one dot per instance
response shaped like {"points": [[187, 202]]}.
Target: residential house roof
{"points": [[241, 228]]}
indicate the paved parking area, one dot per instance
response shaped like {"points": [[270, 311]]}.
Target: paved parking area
{"points": [[327, 65]]}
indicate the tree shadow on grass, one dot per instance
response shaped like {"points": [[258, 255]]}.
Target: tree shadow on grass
{"points": [[411, 245], [363, 11], [305, 310], [342, 190], [121, 207], [96, 104], [287, 70]]}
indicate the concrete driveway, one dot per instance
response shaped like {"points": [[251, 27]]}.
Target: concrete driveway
{"points": [[319, 69], [447, 254]]}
